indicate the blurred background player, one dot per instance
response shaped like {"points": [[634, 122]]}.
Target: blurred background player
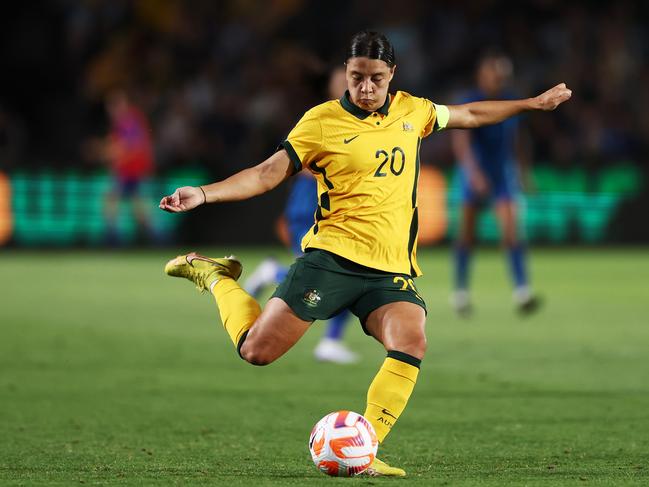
{"points": [[298, 216], [487, 157], [129, 151]]}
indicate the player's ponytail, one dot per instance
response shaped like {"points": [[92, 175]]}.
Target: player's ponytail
{"points": [[372, 45]]}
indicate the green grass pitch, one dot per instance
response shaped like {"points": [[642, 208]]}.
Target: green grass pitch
{"points": [[113, 374]]}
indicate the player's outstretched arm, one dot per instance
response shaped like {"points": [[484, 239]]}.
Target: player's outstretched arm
{"points": [[241, 186], [479, 113]]}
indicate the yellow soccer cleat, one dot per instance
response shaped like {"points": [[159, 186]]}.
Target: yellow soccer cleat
{"points": [[379, 468], [202, 270]]}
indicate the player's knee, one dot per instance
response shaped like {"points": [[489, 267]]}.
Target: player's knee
{"points": [[255, 358], [415, 346], [418, 347], [256, 355]]}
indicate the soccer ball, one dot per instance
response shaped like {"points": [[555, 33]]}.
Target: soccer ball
{"points": [[343, 444]]}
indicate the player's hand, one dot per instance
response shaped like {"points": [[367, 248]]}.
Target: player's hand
{"points": [[479, 183], [183, 199], [552, 98]]}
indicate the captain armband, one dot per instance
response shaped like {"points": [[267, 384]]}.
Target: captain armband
{"points": [[443, 115]]}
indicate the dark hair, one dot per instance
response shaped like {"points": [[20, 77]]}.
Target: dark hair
{"points": [[373, 45]]}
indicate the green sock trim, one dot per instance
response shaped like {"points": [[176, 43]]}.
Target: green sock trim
{"points": [[404, 357], [240, 344]]}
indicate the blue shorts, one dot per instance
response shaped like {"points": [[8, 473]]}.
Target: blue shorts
{"points": [[501, 188]]}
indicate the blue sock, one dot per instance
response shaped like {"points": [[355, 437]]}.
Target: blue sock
{"points": [[336, 325], [516, 255], [462, 261]]}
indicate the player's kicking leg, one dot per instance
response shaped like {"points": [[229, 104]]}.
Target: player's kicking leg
{"points": [[260, 337], [525, 300]]}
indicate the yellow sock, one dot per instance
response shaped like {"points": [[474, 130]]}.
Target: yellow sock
{"points": [[237, 308], [390, 390]]}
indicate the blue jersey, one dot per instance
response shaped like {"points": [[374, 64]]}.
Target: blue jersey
{"points": [[493, 147], [300, 209]]}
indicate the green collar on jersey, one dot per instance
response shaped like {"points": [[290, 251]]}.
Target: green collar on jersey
{"points": [[357, 111]]}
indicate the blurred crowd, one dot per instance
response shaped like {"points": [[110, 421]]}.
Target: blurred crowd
{"points": [[223, 81]]}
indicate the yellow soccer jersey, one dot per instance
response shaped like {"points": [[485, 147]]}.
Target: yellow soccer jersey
{"points": [[366, 166]]}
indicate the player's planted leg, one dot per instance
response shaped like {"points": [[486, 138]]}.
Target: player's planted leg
{"points": [[400, 328], [387, 398]]}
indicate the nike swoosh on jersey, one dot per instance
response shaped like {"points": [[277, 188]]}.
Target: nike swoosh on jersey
{"points": [[347, 141]]}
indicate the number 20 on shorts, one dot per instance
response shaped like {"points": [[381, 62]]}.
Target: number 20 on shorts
{"points": [[405, 284]]}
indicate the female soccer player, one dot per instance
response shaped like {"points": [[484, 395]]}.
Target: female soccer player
{"points": [[360, 253]]}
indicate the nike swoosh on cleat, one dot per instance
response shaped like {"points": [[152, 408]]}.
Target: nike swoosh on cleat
{"points": [[347, 141], [191, 258], [385, 411]]}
